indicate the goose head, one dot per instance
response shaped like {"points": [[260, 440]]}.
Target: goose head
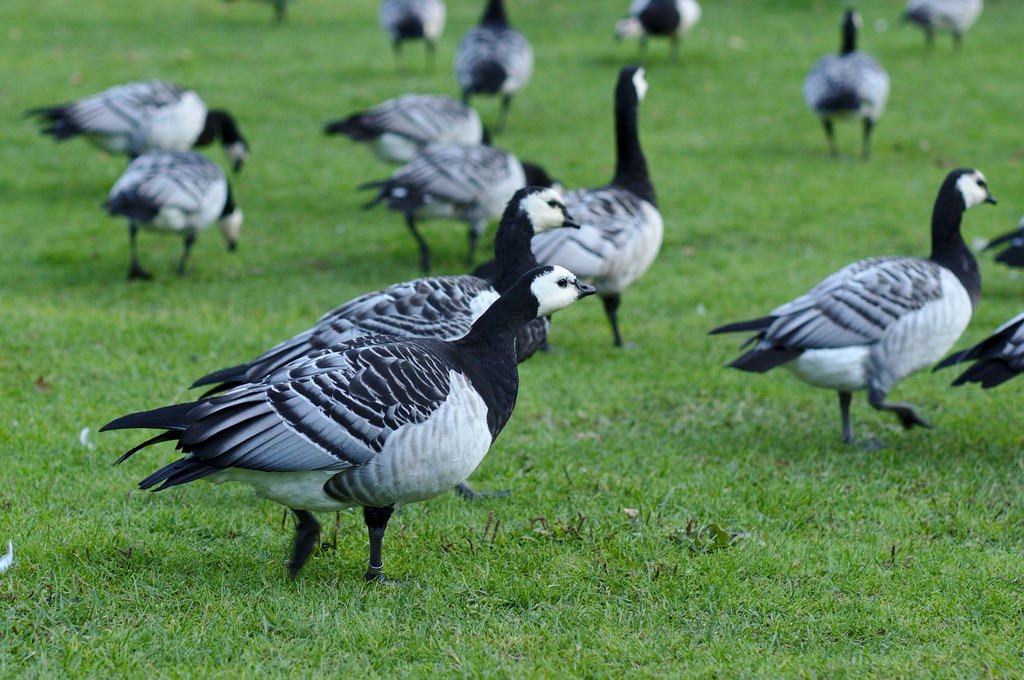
{"points": [[543, 207], [972, 186], [554, 288], [632, 86]]}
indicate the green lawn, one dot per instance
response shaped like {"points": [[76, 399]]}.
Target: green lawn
{"points": [[905, 561]]}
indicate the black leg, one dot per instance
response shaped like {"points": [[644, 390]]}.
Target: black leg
{"points": [[641, 50], [431, 55], [929, 37], [135, 270], [465, 97], [190, 239], [905, 412], [307, 531], [410, 222], [506, 102], [673, 52], [865, 150], [279, 10], [376, 522], [466, 492], [844, 411], [830, 136], [958, 40], [611, 309]]}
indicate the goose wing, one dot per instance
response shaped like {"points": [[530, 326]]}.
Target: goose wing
{"points": [[423, 118], [997, 358], [847, 83], [458, 174], [160, 179], [493, 59], [123, 109]]}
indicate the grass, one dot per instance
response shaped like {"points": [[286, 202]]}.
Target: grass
{"points": [[846, 562]]}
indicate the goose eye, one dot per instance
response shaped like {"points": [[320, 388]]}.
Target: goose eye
{"points": [[563, 283], [553, 203], [982, 184]]}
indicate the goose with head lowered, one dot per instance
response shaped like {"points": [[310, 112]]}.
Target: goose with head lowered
{"points": [[495, 59], [620, 226], [997, 358], [472, 183], [413, 20], [151, 115], [372, 423], [851, 84], [669, 18], [174, 191], [400, 129], [876, 321], [955, 16]]}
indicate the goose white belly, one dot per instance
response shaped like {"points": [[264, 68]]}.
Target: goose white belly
{"points": [[842, 368], [637, 255], [396, 148], [177, 126]]}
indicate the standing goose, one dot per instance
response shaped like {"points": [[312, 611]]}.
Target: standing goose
{"points": [[876, 321], [151, 115], [670, 18], [375, 422], [851, 84], [179, 191], [997, 358], [621, 227], [413, 20], [1013, 255], [494, 58], [400, 129], [955, 16], [472, 183]]}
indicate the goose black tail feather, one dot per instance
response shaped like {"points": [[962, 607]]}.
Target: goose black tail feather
{"points": [[955, 358], [1003, 238], [488, 77], [761, 360], [988, 373], [223, 378], [180, 471], [174, 418], [60, 126], [1012, 256], [132, 205], [352, 127], [168, 436], [750, 325]]}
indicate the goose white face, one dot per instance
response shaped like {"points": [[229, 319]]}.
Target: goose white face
{"points": [[556, 289], [640, 84], [974, 189], [545, 209], [231, 226]]}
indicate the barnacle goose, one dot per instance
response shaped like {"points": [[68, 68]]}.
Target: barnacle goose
{"points": [[472, 183], [375, 422], [670, 18], [400, 129], [413, 20], [997, 358], [145, 116], [955, 16], [1013, 255], [621, 227], [494, 58], [851, 84], [876, 321], [179, 191]]}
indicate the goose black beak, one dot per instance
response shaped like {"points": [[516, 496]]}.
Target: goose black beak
{"points": [[990, 199], [569, 222], [585, 289]]}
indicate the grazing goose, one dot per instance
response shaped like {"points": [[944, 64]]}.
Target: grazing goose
{"points": [[375, 422], [180, 191], [621, 227], [997, 358], [851, 84], [400, 129], [494, 58], [472, 183], [413, 20], [1013, 255], [670, 18], [876, 321], [151, 115], [955, 16], [443, 307]]}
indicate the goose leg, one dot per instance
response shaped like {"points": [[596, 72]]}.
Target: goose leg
{"points": [[307, 531], [865, 150], [905, 412], [279, 10], [958, 40], [376, 520], [190, 239], [135, 270], [467, 492], [611, 310], [475, 230], [506, 102], [844, 411], [929, 37], [830, 136], [410, 222], [641, 50], [673, 52], [431, 54]]}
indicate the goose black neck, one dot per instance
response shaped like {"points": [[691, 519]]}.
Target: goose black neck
{"points": [[494, 13], [229, 203], [948, 246], [849, 34], [495, 330], [219, 124], [513, 256], [630, 164]]}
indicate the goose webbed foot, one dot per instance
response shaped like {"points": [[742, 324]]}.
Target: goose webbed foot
{"points": [[466, 492], [909, 418], [307, 533], [137, 273], [376, 520]]}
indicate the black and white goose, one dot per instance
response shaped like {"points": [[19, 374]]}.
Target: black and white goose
{"points": [[997, 358], [145, 116], [669, 18], [494, 58], [472, 183], [413, 20], [1013, 254], [174, 191], [955, 16], [400, 129], [620, 226], [376, 422], [876, 321], [851, 84]]}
